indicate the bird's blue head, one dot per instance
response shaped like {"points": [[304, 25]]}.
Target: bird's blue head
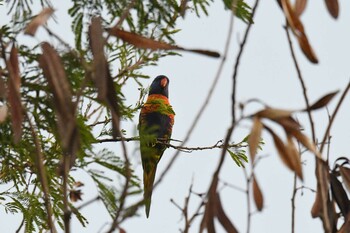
{"points": [[160, 86]]}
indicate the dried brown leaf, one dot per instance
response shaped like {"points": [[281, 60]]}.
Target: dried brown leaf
{"points": [[316, 208], [288, 123], [102, 77], [140, 41], [39, 20], [273, 113], [323, 101], [257, 194], [121, 230], [14, 95], [333, 7], [222, 217], [293, 21], [298, 30], [299, 7], [147, 43], [281, 149], [339, 195], [345, 174], [306, 142], [97, 43], [307, 49], [54, 72], [254, 137], [3, 113], [209, 213], [294, 157]]}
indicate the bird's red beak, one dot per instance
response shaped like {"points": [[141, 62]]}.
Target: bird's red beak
{"points": [[164, 82]]}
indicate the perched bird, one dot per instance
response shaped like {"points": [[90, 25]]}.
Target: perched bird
{"points": [[155, 126]]}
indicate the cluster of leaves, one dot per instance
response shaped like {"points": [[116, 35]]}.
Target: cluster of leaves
{"points": [[49, 99]]}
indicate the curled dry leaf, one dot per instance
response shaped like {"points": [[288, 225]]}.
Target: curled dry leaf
{"points": [[38, 20], [333, 7], [14, 95], [345, 174], [254, 137], [339, 195], [299, 7], [257, 194], [323, 101], [147, 43]]}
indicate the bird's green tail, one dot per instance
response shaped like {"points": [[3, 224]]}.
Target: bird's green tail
{"points": [[148, 180]]}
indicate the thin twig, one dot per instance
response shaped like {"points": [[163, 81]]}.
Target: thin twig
{"points": [[307, 102], [186, 149], [247, 191]]}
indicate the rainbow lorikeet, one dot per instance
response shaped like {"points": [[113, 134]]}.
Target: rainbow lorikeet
{"points": [[155, 126]]}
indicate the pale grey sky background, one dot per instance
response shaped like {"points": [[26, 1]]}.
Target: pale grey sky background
{"points": [[266, 72]]}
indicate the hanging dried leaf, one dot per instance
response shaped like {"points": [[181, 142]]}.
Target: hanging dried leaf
{"points": [[306, 142], [102, 77], [14, 95], [39, 20], [147, 43], [345, 173], [299, 7], [209, 213], [257, 194], [294, 157], [333, 7], [3, 113], [281, 149], [222, 217], [323, 101], [254, 137], [54, 72], [273, 113], [100, 65], [293, 21], [307, 49], [121, 230], [298, 30], [339, 195]]}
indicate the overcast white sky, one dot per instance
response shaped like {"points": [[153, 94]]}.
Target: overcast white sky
{"points": [[266, 72]]}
